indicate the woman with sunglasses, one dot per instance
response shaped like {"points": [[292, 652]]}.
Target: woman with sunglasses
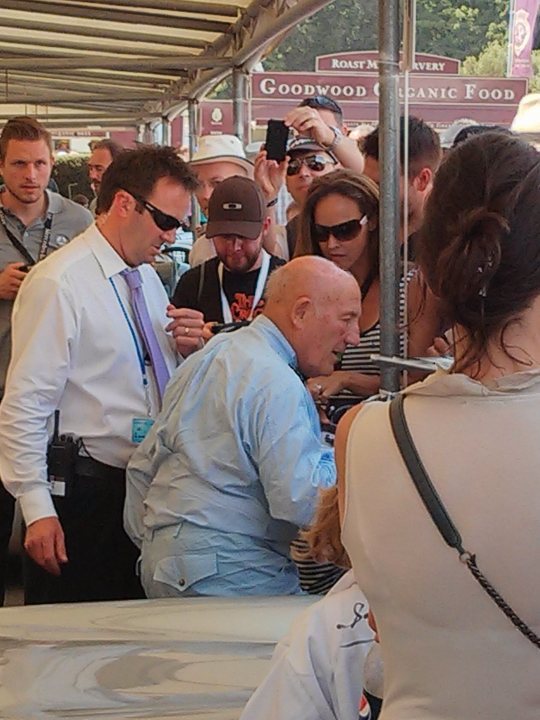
{"points": [[339, 221]]}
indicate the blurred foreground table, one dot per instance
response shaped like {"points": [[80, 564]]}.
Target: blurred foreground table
{"points": [[188, 658]]}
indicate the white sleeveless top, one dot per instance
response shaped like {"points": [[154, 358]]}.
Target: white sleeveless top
{"points": [[449, 652]]}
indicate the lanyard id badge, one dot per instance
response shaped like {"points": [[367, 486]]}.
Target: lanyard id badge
{"points": [[140, 428], [259, 289], [139, 425], [17, 244]]}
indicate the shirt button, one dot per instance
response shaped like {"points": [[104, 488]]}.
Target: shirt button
{"points": [[181, 582]]}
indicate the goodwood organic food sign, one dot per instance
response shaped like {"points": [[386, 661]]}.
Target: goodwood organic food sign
{"points": [[436, 92], [425, 89]]}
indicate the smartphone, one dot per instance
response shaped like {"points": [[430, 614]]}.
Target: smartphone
{"points": [[275, 144], [228, 327]]}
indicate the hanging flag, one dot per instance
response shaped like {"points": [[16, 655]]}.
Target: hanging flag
{"points": [[522, 21]]}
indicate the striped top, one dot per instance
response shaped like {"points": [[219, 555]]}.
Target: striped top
{"points": [[315, 578], [356, 358]]}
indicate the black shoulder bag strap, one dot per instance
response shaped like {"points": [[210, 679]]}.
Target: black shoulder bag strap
{"points": [[17, 244], [439, 515]]}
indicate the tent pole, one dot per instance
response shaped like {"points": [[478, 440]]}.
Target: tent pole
{"points": [[389, 166]]}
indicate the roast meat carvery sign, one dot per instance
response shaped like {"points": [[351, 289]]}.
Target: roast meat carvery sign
{"points": [[368, 61]]}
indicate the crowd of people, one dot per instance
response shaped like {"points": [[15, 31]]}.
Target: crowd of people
{"points": [[183, 446]]}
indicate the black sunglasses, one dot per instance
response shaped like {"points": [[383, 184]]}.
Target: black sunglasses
{"points": [[313, 162], [345, 231], [163, 220], [323, 102]]}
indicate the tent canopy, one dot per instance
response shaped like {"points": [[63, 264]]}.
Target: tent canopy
{"points": [[127, 62]]}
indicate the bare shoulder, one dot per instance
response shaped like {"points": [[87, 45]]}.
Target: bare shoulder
{"points": [[344, 425]]}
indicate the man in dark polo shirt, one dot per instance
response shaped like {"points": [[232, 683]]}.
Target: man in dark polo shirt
{"points": [[230, 287]]}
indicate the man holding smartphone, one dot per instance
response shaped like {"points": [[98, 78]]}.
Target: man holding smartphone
{"points": [[320, 130], [230, 287]]}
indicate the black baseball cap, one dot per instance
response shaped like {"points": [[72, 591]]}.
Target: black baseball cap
{"points": [[236, 207]]}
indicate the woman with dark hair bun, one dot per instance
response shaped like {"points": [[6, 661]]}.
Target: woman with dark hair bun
{"points": [[458, 614]]}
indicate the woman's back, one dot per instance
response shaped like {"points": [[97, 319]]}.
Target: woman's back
{"points": [[449, 652]]}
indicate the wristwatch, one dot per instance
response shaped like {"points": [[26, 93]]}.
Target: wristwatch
{"points": [[338, 137]]}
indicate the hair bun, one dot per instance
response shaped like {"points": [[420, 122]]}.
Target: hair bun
{"points": [[473, 258]]}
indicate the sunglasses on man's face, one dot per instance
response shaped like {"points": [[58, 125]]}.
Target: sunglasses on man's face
{"points": [[317, 163], [163, 220], [323, 102], [345, 231]]}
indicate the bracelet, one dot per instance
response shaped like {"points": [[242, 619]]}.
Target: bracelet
{"points": [[338, 137], [272, 202]]}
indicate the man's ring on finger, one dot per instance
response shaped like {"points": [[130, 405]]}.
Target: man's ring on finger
{"points": [[187, 331], [318, 388]]}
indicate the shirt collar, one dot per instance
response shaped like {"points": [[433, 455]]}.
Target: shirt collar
{"points": [[277, 340], [109, 260], [54, 202]]}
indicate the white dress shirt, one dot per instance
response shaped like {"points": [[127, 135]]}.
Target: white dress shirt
{"points": [[73, 350]]}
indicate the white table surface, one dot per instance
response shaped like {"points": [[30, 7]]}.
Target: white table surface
{"points": [[189, 658]]}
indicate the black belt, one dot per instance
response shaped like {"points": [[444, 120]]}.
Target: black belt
{"points": [[88, 467]]}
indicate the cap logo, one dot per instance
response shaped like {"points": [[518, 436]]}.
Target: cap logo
{"points": [[232, 206]]}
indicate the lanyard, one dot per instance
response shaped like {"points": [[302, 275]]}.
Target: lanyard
{"points": [[138, 348], [17, 244], [259, 288]]}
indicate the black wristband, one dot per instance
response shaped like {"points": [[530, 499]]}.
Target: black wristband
{"points": [[272, 202]]}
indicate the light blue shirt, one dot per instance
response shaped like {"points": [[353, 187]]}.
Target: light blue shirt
{"points": [[236, 448]]}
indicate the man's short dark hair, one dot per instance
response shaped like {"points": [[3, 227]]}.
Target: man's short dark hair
{"points": [[424, 145], [23, 127], [322, 102], [112, 146], [138, 171]]}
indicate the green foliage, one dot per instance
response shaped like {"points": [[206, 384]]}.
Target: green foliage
{"points": [[72, 176], [455, 28], [341, 26], [492, 62]]}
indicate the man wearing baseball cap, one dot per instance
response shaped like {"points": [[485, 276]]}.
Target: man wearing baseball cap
{"points": [[217, 158], [230, 287]]}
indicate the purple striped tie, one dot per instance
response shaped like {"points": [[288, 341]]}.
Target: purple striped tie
{"points": [[134, 281]]}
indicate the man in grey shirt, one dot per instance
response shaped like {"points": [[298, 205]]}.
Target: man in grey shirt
{"points": [[33, 222]]}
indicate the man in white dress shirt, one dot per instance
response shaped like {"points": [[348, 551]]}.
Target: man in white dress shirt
{"points": [[89, 358]]}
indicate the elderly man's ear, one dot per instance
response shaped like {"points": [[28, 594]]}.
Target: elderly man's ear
{"points": [[300, 310]]}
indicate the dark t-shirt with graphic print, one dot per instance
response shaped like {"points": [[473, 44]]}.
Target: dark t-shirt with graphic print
{"points": [[203, 293]]}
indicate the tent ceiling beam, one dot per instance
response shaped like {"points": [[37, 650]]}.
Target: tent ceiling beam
{"points": [[60, 43], [37, 24], [103, 13], [133, 64], [205, 8]]}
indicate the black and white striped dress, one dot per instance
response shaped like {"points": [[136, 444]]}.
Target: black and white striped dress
{"points": [[356, 358]]}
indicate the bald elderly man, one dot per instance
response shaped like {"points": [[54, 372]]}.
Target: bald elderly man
{"points": [[232, 465]]}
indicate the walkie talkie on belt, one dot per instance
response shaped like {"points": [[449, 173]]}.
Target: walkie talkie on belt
{"points": [[62, 454]]}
